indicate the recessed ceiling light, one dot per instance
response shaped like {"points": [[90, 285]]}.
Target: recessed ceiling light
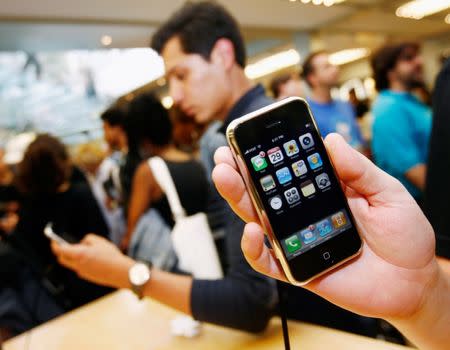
{"points": [[418, 9], [272, 63], [349, 55], [447, 19], [106, 40]]}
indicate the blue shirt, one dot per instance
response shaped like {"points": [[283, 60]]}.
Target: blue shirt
{"points": [[337, 116], [401, 132]]}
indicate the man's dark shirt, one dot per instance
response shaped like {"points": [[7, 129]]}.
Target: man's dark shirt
{"points": [[437, 190]]}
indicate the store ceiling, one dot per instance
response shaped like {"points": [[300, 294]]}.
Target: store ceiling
{"points": [[56, 24]]}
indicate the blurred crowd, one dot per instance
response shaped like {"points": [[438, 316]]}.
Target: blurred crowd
{"points": [[111, 194]]}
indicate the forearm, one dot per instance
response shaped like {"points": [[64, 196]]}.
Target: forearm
{"points": [[429, 328], [170, 289], [167, 288]]}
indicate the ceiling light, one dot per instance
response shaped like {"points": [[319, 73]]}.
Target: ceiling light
{"points": [[272, 64], [447, 19], [306, 1], [328, 3], [317, 2], [418, 9], [167, 102], [345, 56], [106, 40]]}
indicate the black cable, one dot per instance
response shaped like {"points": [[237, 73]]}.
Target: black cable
{"points": [[284, 324]]}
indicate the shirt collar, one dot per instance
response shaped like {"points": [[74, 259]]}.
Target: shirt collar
{"points": [[241, 106]]}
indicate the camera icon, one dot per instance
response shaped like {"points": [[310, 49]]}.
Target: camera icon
{"points": [[306, 141]]}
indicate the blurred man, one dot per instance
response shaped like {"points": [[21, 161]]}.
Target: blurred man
{"points": [[402, 123], [204, 55], [113, 129], [331, 115], [286, 85]]}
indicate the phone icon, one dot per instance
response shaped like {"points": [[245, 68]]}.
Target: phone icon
{"points": [[259, 163], [292, 244], [267, 183], [291, 148], [299, 168], [306, 141], [284, 175], [275, 155], [315, 161]]}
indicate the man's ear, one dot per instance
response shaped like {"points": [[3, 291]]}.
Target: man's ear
{"points": [[223, 53]]}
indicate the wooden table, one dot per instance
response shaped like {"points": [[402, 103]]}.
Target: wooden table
{"points": [[119, 321]]}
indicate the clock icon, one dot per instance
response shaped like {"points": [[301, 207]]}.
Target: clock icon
{"points": [[276, 202]]}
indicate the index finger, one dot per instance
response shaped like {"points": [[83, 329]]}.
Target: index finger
{"points": [[231, 186]]}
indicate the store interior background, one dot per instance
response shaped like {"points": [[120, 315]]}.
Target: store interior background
{"points": [[63, 62]]}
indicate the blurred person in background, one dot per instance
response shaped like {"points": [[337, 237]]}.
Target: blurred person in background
{"points": [[363, 117], [44, 177], [109, 170], [186, 132], [150, 132], [9, 198], [102, 174], [204, 56], [402, 123], [286, 85], [330, 114], [423, 94], [361, 106], [113, 129], [437, 189]]}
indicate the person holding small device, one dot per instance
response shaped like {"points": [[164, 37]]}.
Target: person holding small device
{"points": [[41, 288], [396, 277], [204, 55]]}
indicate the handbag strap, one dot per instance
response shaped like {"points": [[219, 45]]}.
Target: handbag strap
{"points": [[162, 176]]}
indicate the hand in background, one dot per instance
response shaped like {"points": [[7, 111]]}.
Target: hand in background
{"points": [[95, 259]]}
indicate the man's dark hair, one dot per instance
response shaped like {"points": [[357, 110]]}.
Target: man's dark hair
{"points": [[277, 82], [199, 26], [308, 65], [45, 166], [114, 116], [385, 59], [147, 120]]}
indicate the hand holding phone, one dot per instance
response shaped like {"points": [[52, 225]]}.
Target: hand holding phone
{"points": [[392, 275], [49, 233]]}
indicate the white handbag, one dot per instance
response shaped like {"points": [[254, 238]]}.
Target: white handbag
{"points": [[191, 236]]}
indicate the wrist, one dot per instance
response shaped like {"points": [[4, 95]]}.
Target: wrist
{"points": [[124, 266], [432, 311]]}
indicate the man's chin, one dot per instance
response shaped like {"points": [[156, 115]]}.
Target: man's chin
{"points": [[202, 118]]}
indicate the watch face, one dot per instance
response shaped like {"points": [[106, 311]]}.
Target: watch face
{"points": [[139, 274]]}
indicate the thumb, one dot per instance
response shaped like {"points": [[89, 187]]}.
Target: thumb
{"points": [[361, 175], [91, 239]]}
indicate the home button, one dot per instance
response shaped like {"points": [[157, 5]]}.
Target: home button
{"points": [[326, 255]]}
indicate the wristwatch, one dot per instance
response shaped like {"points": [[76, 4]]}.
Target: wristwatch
{"points": [[139, 275]]}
